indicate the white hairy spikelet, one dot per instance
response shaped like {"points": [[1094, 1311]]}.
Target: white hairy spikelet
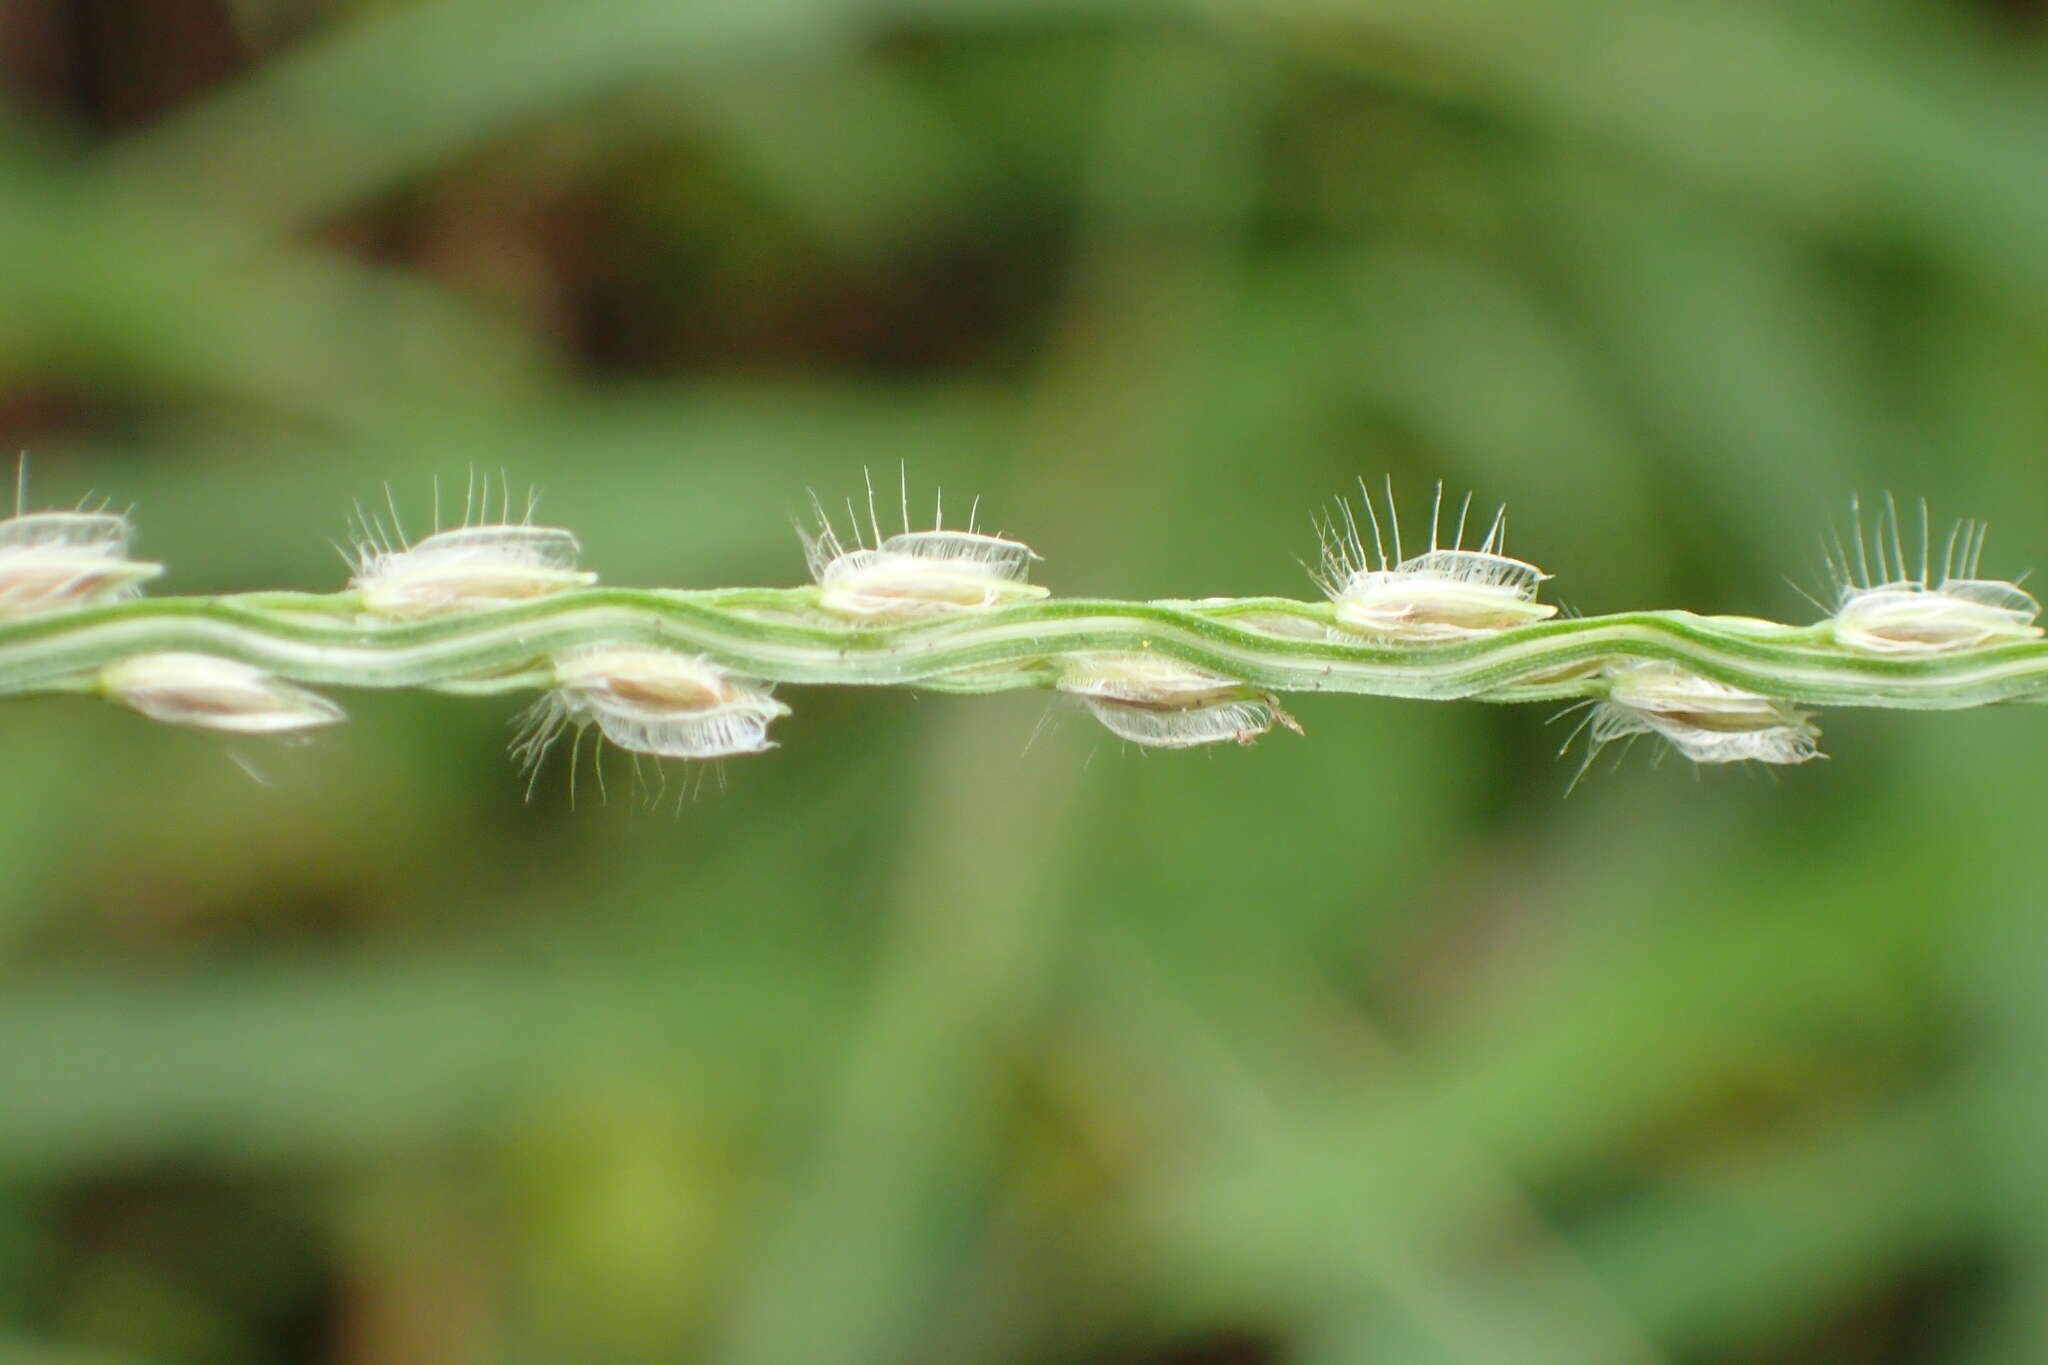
{"points": [[1704, 720], [1445, 594], [53, 560], [651, 701], [209, 693], [1889, 611], [476, 565], [1162, 703], [916, 573]]}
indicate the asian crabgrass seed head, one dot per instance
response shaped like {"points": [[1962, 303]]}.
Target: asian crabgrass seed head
{"points": [[915, 573], [1445, 593], [54, 560], [1162, 703], [1900, 609], [482, 563], [209, 693]]}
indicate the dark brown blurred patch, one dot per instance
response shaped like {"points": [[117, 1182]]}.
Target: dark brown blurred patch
{"points": [[1222, 1348], [241, 1254], [1908, 1322], [112, 65]]}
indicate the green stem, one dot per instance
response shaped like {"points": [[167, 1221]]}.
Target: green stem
{"points": [[780, 635]]}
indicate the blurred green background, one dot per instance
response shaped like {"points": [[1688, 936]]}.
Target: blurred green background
{"points": [[905, 1043]]}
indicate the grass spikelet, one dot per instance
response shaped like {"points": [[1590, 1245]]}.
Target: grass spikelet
{"points": [[914, 573], [1445, 593]]}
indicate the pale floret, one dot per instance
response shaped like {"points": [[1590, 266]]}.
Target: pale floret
{"points": [[1911, 618], [1241, 721], [1665, 690], [55, 560], [1778, 744], [1442, 595], [102, 534], [992, 556], [1785, 745], [1705, 720], [916, 573], [891, 583], [468, 568], [1164, 704], [1898, 611], [654, 701], [210, 693]]}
